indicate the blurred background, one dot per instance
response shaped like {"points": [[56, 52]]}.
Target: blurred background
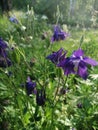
{"points": [[80, 13]]}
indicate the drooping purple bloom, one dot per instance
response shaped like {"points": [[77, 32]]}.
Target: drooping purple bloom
{"points": [[30, 86], [80, 63], [67, 65], [41, 97], [3, 53], [3, 45], [77, 64], [57, 57], [59, 34], [80, 105], [13, 19], [4, 60]]}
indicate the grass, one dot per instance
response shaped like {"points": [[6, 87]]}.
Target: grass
{"points": [[60, 111]]}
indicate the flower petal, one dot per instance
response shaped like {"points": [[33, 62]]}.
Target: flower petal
{"points": [[90, 61], [78, 53], [67, 65], [82, 70], [55, 56]]}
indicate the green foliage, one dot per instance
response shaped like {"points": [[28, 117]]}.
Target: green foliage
{"points": [[28, 52], [73, 12], [21, 4]]}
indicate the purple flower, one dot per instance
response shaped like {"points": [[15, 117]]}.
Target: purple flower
{"points": [[5, 62], [80, 105], [64, 90], [57, 57], [14, 20], [41, 97], [59, 34], [30, 86], [80, 63], [3, 53], [77, 64], [67, 65], [3, 45]]}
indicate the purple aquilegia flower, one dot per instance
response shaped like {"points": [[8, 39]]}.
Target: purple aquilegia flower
{"points": [[56, 57], [77, 64], [80, 63], [3, 53], [59, 34], [67, 65], [13, 19], [4, 60], [41, 97], [30, 86], [80, 105], [3, 45]]}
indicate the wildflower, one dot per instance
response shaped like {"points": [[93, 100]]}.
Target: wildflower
{"points": [[59, 34], [67, 65], [13, 19], [5, 62], [80, 63], [64, 90], [3, 53], [41, 97], [30, 86], [56, 57], [77, 64], [3, 45], [79, 105]]}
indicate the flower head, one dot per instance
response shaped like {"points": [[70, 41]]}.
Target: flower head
{"points": [[13, 19], [30, 86], [67, 66], [80, 63], [59, 34], [41, 97], [3, 45], [57, 57], [77, 64], [80, 105], [5, 62]]}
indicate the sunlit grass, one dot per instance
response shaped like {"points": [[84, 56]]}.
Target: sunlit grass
{"points": [[28, 48]]}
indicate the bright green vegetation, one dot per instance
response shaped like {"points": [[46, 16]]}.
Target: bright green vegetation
{"points": [[61, 111]]}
